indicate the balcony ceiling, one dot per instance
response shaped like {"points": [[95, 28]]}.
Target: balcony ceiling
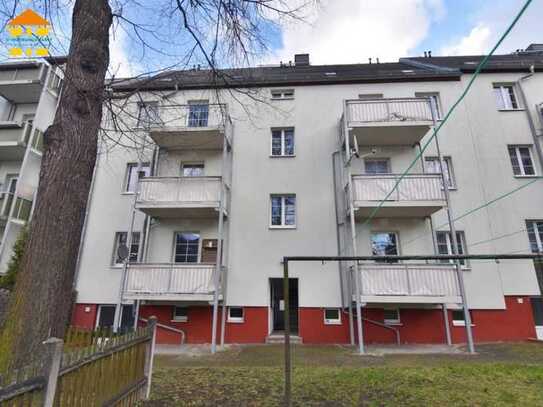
{"points": [[197, 138], [21, 91], [186, 211], [11, 151], [389, 133], [403, 209]]}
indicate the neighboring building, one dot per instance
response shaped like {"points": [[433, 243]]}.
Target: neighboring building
{"points": [[266, 167], [28, 99]]}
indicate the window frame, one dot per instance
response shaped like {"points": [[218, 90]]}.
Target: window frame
{"points": [[145, 168], [281, 93], [194, 165], [505, 97], [331, 321], [465, 264], [449, 167], [236, 320], [398, 246], [377, 159], [460, 322], [99, 313], [181, 318], [149, 121], [116, 245], [283, 224], [199, 120], [283, 144], [537, 234], [437, 98], [198, 257], [517, 148], [395, 321]]}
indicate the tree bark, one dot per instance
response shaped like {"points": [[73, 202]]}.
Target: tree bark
{"points": [[42, 302]]}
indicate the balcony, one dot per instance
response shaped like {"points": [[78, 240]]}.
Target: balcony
{"points": [[417, 195], [170, 282], [14, 136], [22, 82], [193, 126], [173, 197], [385, 122], [409, 283]]}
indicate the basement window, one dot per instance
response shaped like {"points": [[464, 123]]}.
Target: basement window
{"points": [[180, 314], [332, 316], [392, 316], [458, 318], [235, 314]]}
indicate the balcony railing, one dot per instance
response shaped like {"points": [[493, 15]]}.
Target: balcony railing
{"points": [[6, 199], [19, 133], [421, 282], [413, 187], [180, 191], [170, 281]]}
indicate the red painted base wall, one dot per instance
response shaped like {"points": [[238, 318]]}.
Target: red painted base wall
{"points": [[417, 325]]}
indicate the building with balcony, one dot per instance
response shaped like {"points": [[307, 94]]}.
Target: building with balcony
{"points": [[223, 180], [29, 93]]}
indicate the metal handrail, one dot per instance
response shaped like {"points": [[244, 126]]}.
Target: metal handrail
{"points": [[199, 177], [181, 265], [169, 328], [381, 100], [395, 330]]}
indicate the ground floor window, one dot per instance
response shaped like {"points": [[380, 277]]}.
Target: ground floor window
{"points": [[332, 316], [458, 318], [235, 314], [180, 314], [392, 316]]}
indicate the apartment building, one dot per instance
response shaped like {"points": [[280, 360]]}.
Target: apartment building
{"points": [[214, 179], [28, 99]]}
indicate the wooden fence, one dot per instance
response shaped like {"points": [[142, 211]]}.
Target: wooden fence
{"points": [[92, 368]]}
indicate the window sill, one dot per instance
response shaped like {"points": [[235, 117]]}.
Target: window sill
{"points": [[332, 322], [235, 321], [393, 323], [282, 227], [180, 320], [278, 99], [128, 193], [460, 323], [526, 176], [282, 156], [117, 266]]}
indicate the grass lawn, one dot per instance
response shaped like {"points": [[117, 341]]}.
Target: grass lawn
{"points": [[500, 375]]}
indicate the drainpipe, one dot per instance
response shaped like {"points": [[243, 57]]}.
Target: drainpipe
{"points": [[538, 148]]}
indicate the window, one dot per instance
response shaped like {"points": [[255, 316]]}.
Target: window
{"points": [[198, 113], [133, 175], [458, 318], [535, 235], [282, 143], [180, 314], [444, 245], [377, 165], [235, 314], [392, 316], [187, 247], [505, 97], [436, 102], [106, 316], [192, 170], [383, 244], [278, 94], [521, 160], [120, 240], [55, 82], [431, 165], [332, 316], [148, 114], [283, 211], [370, 96]]}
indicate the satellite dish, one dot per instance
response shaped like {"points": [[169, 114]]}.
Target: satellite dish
{"points": [[122, 252]]}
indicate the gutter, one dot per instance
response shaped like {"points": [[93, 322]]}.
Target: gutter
{"points": [[431, 67]]}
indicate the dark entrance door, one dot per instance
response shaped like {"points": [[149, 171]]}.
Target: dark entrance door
{"points": [[278, 304]]}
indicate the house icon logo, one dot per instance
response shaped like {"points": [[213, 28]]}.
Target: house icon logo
{"points": [[28, 35]]}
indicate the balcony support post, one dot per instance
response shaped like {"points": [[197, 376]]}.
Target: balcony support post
{"points": [[446, 322], [452, 230], [355, 267]]}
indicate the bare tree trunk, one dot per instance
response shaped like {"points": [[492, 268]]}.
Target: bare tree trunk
{"points": [[42, 302]]}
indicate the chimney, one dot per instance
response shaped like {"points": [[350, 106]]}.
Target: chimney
{"points": [[301, 60]]}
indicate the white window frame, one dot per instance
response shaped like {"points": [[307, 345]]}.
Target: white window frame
{"points": [[506, 102], [193, 164], [181, 318], [462, 243], [146, 111], [145, 168], [199, 257], [437, 99], [395, 321], [448, 167], [538, 241], [332, 321], [283, 224], [517, 148], [236, 320], [385, 159], [282, 130], [282, 94], [116, 247]]}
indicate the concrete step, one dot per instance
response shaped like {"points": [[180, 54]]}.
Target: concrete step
{"points": [[280, 338]]}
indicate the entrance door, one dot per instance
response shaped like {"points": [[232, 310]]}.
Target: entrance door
{"points": [[537, 302], [278, 304]]}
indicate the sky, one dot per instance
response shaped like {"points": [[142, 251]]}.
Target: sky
{"points": [[333, 32]]}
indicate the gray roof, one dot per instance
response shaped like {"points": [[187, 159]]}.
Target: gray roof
{"points": [[406, 70]]}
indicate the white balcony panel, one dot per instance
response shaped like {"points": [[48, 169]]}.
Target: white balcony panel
{"points": [[22, 82], [388, 121], [409, 283], [14, 137], [170, 282], [169, 196], [417, 195]]}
